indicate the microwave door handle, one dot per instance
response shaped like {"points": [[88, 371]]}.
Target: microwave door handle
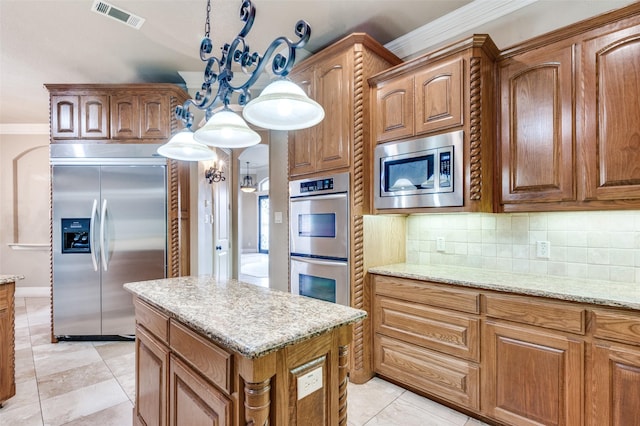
{"points": [[93, 251], [103, 251]]}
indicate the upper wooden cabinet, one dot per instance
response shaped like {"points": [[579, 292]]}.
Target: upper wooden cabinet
{"points": [[427, 101], [336, 78], [569, 117], [449, 89], [123, 112]]}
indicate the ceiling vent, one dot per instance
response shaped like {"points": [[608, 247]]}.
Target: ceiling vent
{"points": [[106, 9]]}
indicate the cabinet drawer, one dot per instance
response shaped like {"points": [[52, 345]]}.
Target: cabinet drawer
{"points": [[212, 362], [617, 326], [556, 316], [454, 334], [428, 293], [428, 371], [152, 319]]}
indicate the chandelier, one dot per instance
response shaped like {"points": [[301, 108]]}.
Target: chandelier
{"points": [[282, 105], [247, 182]]}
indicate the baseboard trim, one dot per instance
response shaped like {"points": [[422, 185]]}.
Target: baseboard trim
{"points": [[33, 292]]}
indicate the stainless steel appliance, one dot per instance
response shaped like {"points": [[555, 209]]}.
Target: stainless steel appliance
{"points": [[109, 228], [424, 172], [319, 237]]}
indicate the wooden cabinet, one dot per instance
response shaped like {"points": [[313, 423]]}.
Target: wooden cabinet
{"points": [[537, 126], [140, 116], [427, 348], [336, 79], [427, 100], [80, 116], [7, 337], [152, 366], [569, 117], [450, 89], [532, 377], [517, 360], [614, 387], [611, 110]]}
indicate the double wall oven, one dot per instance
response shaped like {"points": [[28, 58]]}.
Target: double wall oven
{"points": [[319, 237]]}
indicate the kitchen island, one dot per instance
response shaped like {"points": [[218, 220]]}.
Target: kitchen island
{"points": [[232, 353], [7, 337]]}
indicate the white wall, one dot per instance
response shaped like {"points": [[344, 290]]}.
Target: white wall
{"points": [[24, 208]]}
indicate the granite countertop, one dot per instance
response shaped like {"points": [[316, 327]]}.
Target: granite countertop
{"points": [[6, 279], [245, 318], [607, 293]]}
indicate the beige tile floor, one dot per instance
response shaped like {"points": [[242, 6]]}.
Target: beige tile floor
{"points": [[93, 383]]}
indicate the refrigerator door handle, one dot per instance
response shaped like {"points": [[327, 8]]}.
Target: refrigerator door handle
{"points": [[103, 251], [92, 245]]}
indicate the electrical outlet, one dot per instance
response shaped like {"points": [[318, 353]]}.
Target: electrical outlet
{"points": [[309, 383], [543, 249], [440, 244]]}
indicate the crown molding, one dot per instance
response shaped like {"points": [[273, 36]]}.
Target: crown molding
{"points": [[453, 24], [24, 129]]}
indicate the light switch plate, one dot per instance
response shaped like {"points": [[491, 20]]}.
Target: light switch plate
{"points": [[277, 217], [309, 383]]}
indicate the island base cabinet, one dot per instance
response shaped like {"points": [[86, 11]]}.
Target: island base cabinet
{"points": [[7, 345], [193, 401], [152, 361], [615, 385], [532, 377]]}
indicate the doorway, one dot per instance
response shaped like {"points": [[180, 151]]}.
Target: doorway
{"points": [[253, 215]]}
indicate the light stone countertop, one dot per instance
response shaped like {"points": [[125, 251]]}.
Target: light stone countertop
{"points": [[245, 318], [607, 293], [6, 279]]}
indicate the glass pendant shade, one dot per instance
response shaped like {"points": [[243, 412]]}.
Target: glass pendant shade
{"points": [[283, 105], [226, 129], [182, 146]]}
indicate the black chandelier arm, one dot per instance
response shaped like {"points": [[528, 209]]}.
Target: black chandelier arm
{"points": [[219, 70]]}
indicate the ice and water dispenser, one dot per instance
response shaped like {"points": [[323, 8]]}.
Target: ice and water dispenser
{"points": [[75, 235]]}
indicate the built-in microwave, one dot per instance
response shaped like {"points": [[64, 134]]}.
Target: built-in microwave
{"points": [[424, 172]]}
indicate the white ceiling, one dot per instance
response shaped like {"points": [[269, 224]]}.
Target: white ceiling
{"points": [[49, 41]]}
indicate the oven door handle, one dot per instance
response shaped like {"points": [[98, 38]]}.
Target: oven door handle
{"points": [[319, 261], [338, 196]]}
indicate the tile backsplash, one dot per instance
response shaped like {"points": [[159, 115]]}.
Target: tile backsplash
{"points": [[603, 245]]}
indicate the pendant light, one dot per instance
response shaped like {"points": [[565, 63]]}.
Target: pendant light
{"points": [[283, 105], [226, 129], [247, 182], [182, 146]]}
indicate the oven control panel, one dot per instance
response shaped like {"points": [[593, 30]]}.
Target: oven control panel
{"points": [[316, 185]]}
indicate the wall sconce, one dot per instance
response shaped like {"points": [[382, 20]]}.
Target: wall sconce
{"points": [[213, 174]]}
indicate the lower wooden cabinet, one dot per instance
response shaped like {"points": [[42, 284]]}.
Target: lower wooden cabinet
{"points": [[511, 359], [192, 400], [7, 342], [531, 377], [152, 363]]}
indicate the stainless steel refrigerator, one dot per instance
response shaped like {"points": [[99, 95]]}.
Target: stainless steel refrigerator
{"points": [[109, 227]]}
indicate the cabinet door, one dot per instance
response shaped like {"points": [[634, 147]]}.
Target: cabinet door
{"points": [[125, 119], [334, 92], [536, 142], [152, 361], [193, 401], [7, 337], [615, 385], [393, 113], [64, 117], [154, 115], [94, 116], [438, 97], [532, 377], [302, 143], [611, 102]]}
